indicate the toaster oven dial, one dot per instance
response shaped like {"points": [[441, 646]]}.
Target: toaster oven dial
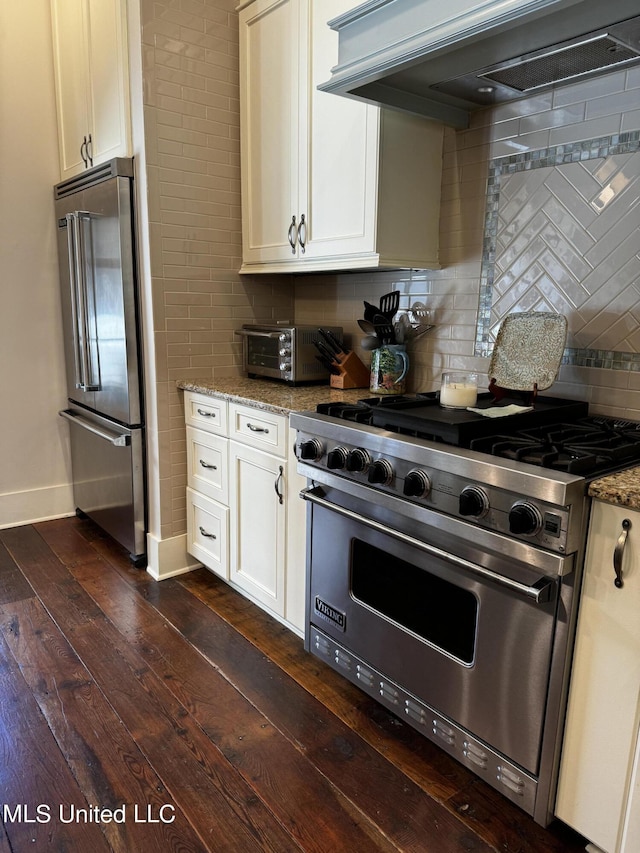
{"points": [[310, 450], [285, 351], [337, 458], [473, 502], [524, 518], [416, 484], [380, 473], [358, 460]]}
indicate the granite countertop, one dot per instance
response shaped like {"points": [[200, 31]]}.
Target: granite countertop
{"points": [[622, 488], [271, 396]]}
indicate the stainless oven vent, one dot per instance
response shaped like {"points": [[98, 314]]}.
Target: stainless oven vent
{"points": [[563, 64]]}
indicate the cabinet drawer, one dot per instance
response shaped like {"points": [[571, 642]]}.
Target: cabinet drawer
{"points": [[258, 428], [208, 533], [205, 412], [207, 464]]}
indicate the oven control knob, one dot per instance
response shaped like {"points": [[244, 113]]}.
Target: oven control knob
{"points": [[416, 484], [473, 501], [310, 450], [524, 518], [337, 458], [358, 460], [380, 473]]}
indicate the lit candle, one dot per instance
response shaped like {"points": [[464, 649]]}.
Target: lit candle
{"points": [[458, 394]]}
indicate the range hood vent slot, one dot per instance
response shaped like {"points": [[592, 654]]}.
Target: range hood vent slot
{"points": [[563, 64]]}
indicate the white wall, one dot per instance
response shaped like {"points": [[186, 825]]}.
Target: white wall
{"points": [[34, 459]]}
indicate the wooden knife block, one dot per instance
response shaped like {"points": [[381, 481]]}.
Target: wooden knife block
{"points": [[353, 373]]}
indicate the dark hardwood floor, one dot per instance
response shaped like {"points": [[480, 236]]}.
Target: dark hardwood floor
{"points": [[197, 723]]}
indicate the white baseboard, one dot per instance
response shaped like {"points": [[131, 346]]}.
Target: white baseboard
{"points": [[34, 505], [167, 558]]}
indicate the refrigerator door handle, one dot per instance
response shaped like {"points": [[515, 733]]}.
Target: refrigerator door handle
{"points": [[83, 361], [117, 439]]}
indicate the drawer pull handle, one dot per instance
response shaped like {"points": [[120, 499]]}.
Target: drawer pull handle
{"points": [[302, 234], [619, 552], [291, 235], [277, 485], [255, 428], [206, 414], [207, 465], [208, 535]]}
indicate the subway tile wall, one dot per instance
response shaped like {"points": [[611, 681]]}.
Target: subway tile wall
{"points": [[191, 113], [605, 107]]}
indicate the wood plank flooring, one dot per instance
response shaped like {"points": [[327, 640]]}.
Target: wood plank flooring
{"points": [[176, 716]]}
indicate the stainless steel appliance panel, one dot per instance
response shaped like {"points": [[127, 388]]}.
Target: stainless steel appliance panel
{"points": [[479, 649], [108, 471], [96, 249], [97, 273]]}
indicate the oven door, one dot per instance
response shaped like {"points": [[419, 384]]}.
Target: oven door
{"points": [[464, 627]]}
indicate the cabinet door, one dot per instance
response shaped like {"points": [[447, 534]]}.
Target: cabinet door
{"points": [[338, 193], [257, 524], [92, 83], [71, 65], [108, 80], [602, 716], [269, 110]]}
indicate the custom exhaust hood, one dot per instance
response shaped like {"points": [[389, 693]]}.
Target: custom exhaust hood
{"points": [[446, 59]]}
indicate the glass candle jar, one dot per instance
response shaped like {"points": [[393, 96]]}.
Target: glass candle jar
{"points": [[459, 389]]}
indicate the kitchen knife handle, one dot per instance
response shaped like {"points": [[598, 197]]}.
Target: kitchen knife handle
{"points": [[302, 229], [618, 552], [292, 235]]}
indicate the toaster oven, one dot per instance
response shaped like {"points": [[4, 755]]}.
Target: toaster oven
{"points": [[288, 353]]}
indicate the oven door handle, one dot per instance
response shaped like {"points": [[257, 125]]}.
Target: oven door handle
{"points": [[540, 591]]}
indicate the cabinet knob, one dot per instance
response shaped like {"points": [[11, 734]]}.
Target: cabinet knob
{"points": [[618, 552]]}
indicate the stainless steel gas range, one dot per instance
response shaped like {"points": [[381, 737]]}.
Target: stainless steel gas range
{"points": [[444, 557]]}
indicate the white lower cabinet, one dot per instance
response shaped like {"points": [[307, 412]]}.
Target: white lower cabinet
{"points": [[258, 524], [245, 520], [599, 785], [208, 532]]}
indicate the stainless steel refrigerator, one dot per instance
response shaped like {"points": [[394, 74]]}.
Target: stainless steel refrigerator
{"points": [[101, 319]]}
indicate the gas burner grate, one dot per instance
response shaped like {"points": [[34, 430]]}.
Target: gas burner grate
{"points": [[346, 411], [585, 447]]}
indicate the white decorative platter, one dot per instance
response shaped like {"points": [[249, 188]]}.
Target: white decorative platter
{"points": [[528, 350]]}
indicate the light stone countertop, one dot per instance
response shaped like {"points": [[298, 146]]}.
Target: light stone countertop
{"points": [[622, 488], [271, 396]]}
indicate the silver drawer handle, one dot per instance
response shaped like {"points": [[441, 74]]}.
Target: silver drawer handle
{"points": [[206, 414], [207, 465], [255, 428], [618, 552], [208, 535]]}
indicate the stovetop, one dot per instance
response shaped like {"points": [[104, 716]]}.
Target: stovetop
{"points": [[556, 434]]}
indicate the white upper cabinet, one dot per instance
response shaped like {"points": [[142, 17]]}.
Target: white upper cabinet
{"points": [[92, 82], [327, 183]]}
